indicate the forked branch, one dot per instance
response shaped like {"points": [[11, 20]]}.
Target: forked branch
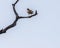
{"points": [[17, 18]]}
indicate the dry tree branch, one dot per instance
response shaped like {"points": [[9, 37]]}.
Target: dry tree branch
{"points": [[17, 18]]}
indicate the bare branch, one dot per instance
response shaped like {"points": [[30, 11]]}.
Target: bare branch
{"points": [[14, 8], [30, 15], [17, 18]]}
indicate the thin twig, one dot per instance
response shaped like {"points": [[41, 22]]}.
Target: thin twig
{"points": [[17, 18]]}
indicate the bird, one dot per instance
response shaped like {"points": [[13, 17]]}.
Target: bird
{"points": [[29, 11]]}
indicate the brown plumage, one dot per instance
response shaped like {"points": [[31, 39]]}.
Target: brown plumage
{"points": [[29, 11]]}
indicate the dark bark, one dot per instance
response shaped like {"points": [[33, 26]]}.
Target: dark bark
{"points": [[17, 18]]}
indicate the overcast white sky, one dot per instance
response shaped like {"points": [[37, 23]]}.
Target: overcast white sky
{"points": [[41, 31]]}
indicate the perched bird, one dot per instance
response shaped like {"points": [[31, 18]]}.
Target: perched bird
{"points": [[29, 11]]}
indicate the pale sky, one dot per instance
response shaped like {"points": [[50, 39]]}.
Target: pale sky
{"points": [[41, 31]]}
